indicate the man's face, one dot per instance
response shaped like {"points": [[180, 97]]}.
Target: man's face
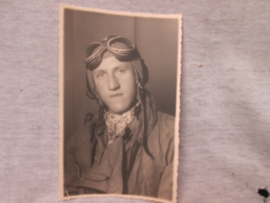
{"points": [[115, 84]]}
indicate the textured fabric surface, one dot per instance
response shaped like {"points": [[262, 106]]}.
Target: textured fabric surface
{"points": [[225, 108]]}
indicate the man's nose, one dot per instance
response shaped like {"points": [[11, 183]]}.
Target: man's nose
{"points": [[113, 83]]}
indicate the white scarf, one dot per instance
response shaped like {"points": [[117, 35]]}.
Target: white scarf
{"points": [[116, 123]]}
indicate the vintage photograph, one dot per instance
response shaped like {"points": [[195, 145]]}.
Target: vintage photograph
{"points": [[120, 104]]}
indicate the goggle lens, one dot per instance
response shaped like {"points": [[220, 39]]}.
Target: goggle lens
{"points": [[120, 47]]}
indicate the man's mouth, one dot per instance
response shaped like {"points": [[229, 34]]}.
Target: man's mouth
{"points": [[116, 95]]}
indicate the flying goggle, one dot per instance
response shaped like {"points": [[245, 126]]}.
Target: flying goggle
{"points": [[119, 47]]}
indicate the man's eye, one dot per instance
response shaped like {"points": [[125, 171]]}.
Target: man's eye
{"points": [[100, 75], [122, 70]]}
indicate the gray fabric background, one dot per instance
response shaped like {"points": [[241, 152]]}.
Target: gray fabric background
{"points": [[225, 117]]}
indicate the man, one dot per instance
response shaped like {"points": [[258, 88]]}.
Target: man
{"points": [[126, 146]]}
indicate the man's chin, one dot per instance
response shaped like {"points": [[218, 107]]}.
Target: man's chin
{"points": [[118, 109]]}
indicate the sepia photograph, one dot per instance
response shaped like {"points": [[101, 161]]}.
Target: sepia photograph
{"points": [[120, 104]]}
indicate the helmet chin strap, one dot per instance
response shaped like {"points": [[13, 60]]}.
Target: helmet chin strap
{"points": [[141, 100]]}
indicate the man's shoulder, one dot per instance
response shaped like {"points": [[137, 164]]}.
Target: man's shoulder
{"points": [[161, 137], [165, 121], [83, 133], [164, 127]]}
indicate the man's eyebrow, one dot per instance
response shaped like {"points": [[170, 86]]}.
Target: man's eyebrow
{"points": [[99, 71], [120, 66]]}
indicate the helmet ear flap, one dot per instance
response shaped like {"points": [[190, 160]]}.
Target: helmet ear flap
{"points": [[91, 88], [90, 93], [144, 72], [138, 83], [141, 71]]}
